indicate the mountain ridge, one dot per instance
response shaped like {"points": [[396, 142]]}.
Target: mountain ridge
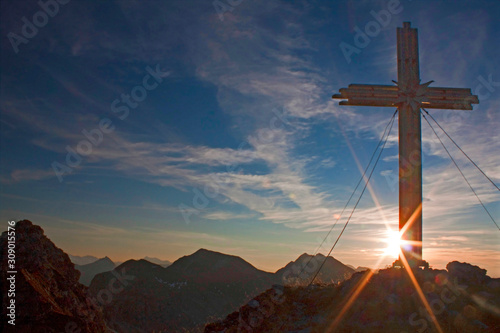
{"points": [[196, 288], [205, 284], [82, 260], [88, 271]]}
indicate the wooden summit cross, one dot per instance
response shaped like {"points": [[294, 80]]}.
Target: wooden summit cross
{"points": [[409, 96]]}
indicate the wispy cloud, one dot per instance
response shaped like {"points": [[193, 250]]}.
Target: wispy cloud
{"points": [[262, 57], [224, 215], [20, 175]]}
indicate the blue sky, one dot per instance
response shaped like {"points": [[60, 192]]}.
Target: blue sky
{"points": [[233, 142]]}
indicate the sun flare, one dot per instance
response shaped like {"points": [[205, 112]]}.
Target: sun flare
{"points": [[393, 241]]}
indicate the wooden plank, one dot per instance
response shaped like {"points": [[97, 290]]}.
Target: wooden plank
{"points": [[447, 105], [368, 103], [468, 99], [373, 87], [452, 97], [445, 90], [372, 98], [357, 92]]}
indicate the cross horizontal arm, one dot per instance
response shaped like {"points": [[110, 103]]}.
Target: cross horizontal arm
{"points": [[368, 95], [449, 98], [390, 96]]}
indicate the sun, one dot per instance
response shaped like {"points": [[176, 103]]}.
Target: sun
{"points": [[393, 241]]}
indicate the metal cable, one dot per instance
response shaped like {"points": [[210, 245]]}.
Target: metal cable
{"points": [[472, 189], [449, 137], [357, 202]]}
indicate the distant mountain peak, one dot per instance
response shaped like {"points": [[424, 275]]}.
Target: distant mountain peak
{"points": [[207, 252], [140, 264], [304, 255], [154, 260], [82, 260], [307, 256], [304, 268], [88, 271], [202, 285], [214, 257]]}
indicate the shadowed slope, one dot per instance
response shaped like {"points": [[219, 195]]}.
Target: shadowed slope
{"points": [[90, 270], [194, 289], [463, 299], [48, 296]]}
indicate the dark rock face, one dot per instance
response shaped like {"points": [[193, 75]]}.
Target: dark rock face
{"points": [[386, 301], [48, 296], [467, 273]]}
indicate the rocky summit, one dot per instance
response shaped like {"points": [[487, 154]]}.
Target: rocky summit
{"points": [[461, 299], [48, 297]]}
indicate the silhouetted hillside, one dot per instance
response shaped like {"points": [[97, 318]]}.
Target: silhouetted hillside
{"points": [[90, 270], [302, 270], [163, 263], [48, 297], [85, 260], [205, 267], [462, 299], [358, 269], [182, 296], [138, 295]]}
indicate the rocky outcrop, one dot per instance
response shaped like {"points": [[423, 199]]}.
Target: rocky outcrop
{"points": [[48, 296], [467, 273], [387, 301]]}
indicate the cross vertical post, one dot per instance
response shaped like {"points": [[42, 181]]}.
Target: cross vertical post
{"points": [[410, 146], [409, 95]]}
